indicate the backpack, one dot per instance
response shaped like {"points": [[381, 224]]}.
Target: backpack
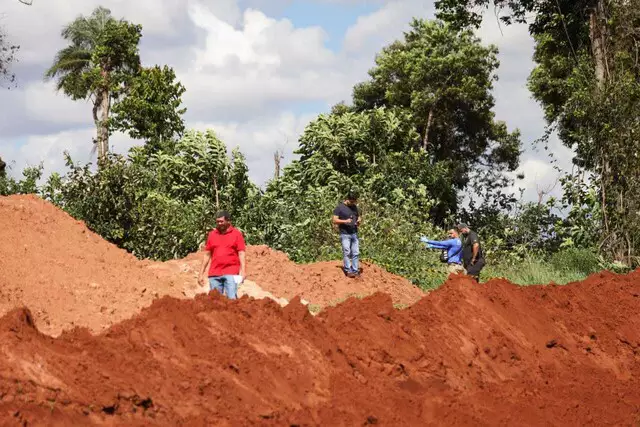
{"points": [[444, 255]]}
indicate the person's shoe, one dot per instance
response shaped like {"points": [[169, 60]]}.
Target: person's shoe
{"points": [[351, 275]]}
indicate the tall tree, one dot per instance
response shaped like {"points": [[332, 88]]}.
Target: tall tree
{"points": [[587, 79], [443, 78], [101, 57]]}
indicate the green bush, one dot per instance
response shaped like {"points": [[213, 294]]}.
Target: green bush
{"points": [[532, 271], [583, 261], [567, 265]]}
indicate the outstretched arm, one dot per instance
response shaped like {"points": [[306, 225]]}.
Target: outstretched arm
{"points": [[436, 244]]}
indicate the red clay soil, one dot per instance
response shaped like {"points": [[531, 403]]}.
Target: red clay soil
{"points": [[321, 283], [465, 355], [68, 275], [324, 283]]}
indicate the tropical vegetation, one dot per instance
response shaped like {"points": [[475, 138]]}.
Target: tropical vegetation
{"points": [[419, 141]]}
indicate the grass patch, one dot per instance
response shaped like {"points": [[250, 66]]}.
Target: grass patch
{"points": [[343, 299], [563, 267], [532, 272]]}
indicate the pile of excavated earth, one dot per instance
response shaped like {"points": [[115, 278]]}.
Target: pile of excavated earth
{"points": [[92, 336]]}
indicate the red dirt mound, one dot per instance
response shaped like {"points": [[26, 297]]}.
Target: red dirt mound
{"points": [[465, 355], [324, 283], [321, 283], [68, 275]]}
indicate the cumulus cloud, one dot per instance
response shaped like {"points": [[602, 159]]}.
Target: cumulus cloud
{"points": [[260, 138], [383, 26], [48, 150], [262, 62]]}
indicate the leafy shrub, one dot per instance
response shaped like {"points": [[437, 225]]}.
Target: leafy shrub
{"points": [[583, 261]]}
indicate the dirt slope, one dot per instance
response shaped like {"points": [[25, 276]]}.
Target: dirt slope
{"points": [[466, 355], [69, 276], [321, 283]]}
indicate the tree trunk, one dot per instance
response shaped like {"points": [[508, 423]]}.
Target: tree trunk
{"points": [[103, 130], [102, 104], [425, 141], [276, 159], [598, 36]]}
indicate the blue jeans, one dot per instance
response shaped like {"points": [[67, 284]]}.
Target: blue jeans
{"points": [[350, 252], [224, 285]]}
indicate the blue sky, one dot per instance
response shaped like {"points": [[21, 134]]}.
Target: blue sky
{"points": [[334, 18], [256, 72]]}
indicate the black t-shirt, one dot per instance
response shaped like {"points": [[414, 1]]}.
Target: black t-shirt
{"points": [[343, 211], [467, 248]]}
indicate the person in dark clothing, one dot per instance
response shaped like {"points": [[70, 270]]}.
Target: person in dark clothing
{"points": [[472, 254], [347, 217]]}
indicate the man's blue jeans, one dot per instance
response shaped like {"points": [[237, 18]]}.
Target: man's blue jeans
{"points": [[224, 285], [350, 252]]}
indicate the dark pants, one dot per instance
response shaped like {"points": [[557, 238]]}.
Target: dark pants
{"points": [[474, 270]]}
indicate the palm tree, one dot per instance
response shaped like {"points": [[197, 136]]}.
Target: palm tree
{"points": [[99, 47]]}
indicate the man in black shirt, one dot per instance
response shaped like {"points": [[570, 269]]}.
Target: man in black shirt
{"points": [[347, 217], [472, 255]]}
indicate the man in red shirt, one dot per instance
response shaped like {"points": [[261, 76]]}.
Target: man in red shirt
{"points": [[224, 257]]}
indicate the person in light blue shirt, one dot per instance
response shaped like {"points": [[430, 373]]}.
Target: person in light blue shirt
{"points": [[453, 246]]}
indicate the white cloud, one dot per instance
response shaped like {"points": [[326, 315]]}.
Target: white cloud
{"points": [[540, 178], [48, 150], [264, 61], [43, 103], [381, 27], [259, 139], [37, 28]]}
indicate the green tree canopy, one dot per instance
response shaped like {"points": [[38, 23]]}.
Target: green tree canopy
{"points": [[587, 78], [151, 109], [101, 57], [158, 205], [443, 79]]}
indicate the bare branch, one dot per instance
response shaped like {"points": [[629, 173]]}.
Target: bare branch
{"points": [[546, 190]]}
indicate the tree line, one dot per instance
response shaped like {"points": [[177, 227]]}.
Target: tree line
{"points": [[418, 134]]}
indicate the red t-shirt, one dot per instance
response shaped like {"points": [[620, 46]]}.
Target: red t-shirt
{"points": [[224, 250]]}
